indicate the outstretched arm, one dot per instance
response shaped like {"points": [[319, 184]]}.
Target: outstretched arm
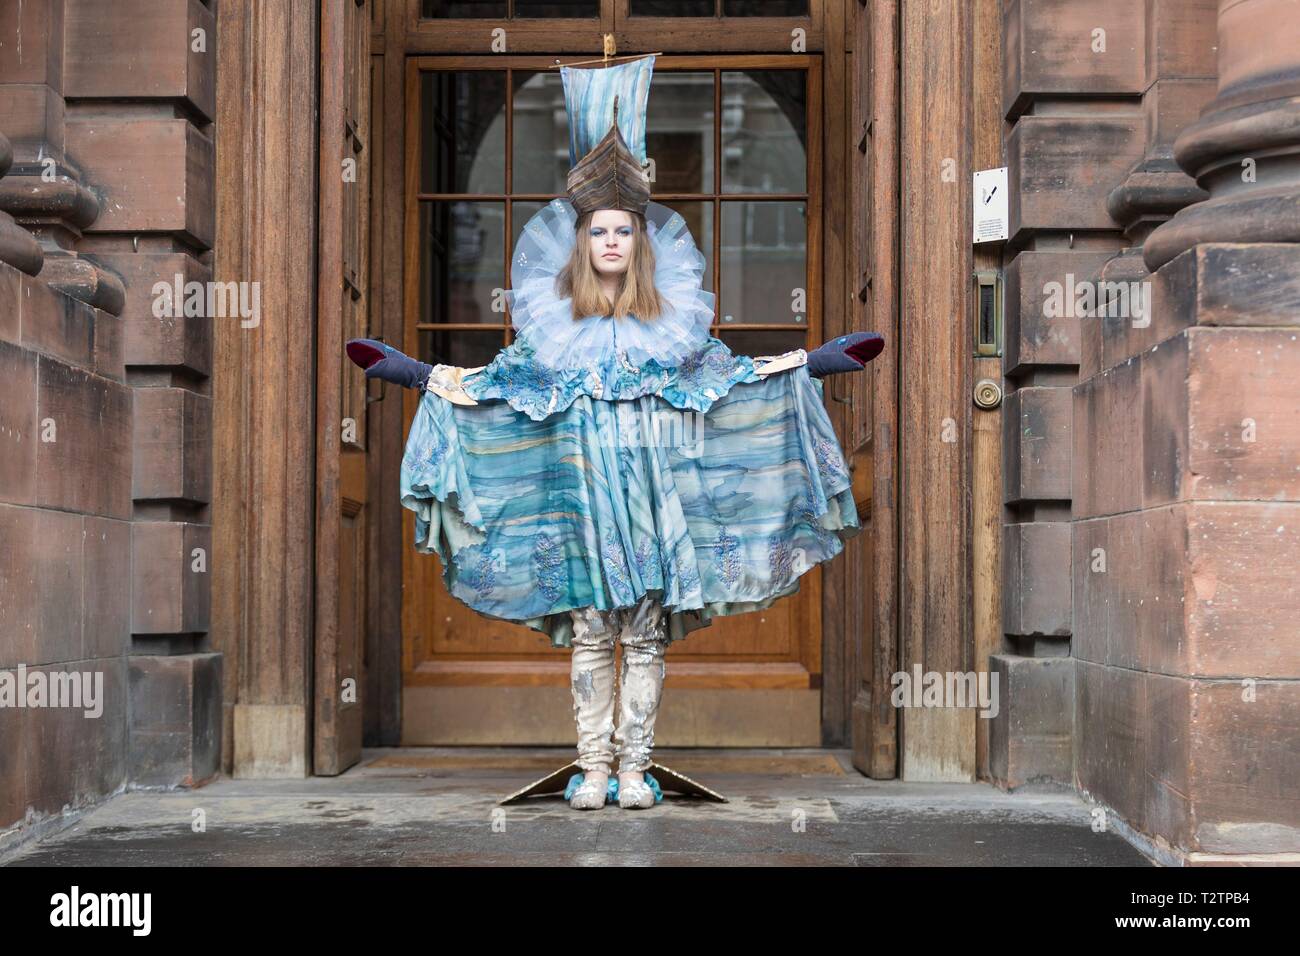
{"points": [[848, 353], [391, 365], [385, 362]]}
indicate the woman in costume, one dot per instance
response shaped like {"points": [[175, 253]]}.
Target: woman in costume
{"points": [[616, 473]]}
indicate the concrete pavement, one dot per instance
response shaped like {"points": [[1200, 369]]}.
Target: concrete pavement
{"points": [[432, 806]]}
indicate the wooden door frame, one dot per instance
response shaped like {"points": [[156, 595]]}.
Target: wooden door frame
{"points": [[338, 716], [641, 34], [684, 35], [843, 395], [264, 438], [955, 69], [937, 583], [397, 37], [908, 470], [329, 400]]}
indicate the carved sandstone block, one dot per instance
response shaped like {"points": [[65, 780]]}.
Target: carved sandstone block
{"points": [[170, 591], [141, 49], [1111, 735], [1056, 47], [154, 174], [1032, 736], [173, 446], [1063, 168], [1037, 444], [1036, 583], [1198, 590], [1043, 307], [153, 334], [1106, 464], [83, 450]]}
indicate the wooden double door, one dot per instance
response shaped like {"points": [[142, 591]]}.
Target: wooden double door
{"points": [[827, 179], [736, 145]]}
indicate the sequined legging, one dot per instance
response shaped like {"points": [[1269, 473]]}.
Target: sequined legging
{"points": [[642, 630]]}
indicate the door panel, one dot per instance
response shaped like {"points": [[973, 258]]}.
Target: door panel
{"points": [[935, 362], [484, 151], [873, 419], [341, 465]]}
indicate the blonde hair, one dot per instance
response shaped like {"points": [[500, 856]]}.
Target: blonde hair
{"points": [[637, 295]]}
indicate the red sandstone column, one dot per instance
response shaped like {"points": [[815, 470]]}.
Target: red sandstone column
{"points": [[44, 189], [1245, 148], [17, 247]]}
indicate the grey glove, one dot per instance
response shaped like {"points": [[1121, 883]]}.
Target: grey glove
{"points": [[848, 353], [385, 362]]}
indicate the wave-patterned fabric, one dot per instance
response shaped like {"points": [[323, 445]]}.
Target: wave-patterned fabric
{"points": [[716, 512]]}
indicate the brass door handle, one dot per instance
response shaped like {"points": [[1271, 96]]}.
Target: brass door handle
{"points": [[988, 394]]}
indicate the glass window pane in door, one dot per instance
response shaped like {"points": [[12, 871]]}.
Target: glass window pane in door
{"points": [[764, 131], [558, 8], [764, 263], [466, 348], [463, 9], [679, 132], [463, 131], [753, 342], [462, 262], [765, 8], [541, 133], [673, 8]]}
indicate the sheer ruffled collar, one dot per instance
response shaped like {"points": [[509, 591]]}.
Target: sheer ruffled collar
{"points": [[544, 320]]}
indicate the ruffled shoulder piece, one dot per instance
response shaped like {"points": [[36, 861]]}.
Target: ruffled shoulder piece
{"points": [[544, 320], [537, 390]]}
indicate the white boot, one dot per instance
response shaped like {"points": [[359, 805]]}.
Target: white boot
{"points": [[592, 683], [633, 792], [592, 792], [641, 683]]}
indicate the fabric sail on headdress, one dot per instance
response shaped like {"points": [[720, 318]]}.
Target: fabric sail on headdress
{"points": [[606, 108], [607, 121]]}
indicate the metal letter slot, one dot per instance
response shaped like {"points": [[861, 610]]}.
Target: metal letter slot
{"points": [[988, 313]]}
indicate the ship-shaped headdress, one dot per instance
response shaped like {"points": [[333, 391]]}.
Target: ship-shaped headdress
{"points": [[606, 106], [607, 123]]}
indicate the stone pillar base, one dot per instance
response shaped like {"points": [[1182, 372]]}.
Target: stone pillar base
{"points": [[174, 720], [1031, 739]]}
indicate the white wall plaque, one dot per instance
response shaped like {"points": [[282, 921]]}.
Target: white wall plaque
{"points": [[992, 215]]}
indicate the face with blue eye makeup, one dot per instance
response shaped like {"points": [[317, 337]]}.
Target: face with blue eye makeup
{"points": [[611, 237]]}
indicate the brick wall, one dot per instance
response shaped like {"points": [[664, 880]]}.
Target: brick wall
{"points": [[1075, 77], [1195, 693], [105, 470], [1151, 452], [1094, 95]]}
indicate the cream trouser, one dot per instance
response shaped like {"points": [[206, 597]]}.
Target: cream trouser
{"points": [[642, 630]]}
